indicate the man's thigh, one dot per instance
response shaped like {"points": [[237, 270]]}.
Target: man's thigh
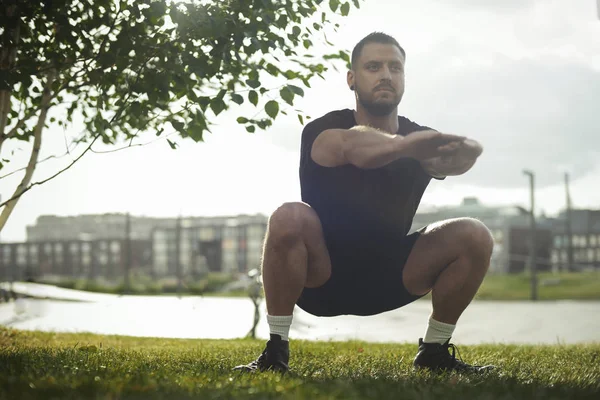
{"points": [[438, 245]]}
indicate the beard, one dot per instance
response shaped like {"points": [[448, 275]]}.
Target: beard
{"points": [[375, 108]]}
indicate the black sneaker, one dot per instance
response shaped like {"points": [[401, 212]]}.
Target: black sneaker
{"points": [[275, 357], [436, 357]]}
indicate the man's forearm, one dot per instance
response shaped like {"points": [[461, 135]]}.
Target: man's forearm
{"points": [[367, 147], [456, 164]]}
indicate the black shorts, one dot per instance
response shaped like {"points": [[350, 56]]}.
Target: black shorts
{"points": [[364, 281]]}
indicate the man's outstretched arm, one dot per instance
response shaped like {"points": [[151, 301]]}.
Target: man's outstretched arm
{"points": [[462, 158], [367, 147]]}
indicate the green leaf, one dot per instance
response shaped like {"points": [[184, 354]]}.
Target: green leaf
{"points": [[253, 97], [299, 91], [296, 31], [217, 105], [251, 128], [242, 120], [287, 95], [253, 83], [356, 3], [236, 98], [177, 125], [272, 108], [221, 94], [172, 144], [301, 119], [272, 69], [334, 4], [345, 9]]}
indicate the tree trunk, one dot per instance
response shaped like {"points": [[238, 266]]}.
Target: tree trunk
{"points": [[35, 151]]}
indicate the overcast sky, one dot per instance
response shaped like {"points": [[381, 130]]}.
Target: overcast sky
{"points": [[522, 77]]}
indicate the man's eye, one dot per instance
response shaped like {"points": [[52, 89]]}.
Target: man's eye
{"points": [[372, 67]]}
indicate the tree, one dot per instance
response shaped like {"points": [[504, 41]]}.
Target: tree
{"points": [[130, 66]]}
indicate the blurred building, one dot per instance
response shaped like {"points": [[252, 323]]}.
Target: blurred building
{"points": [[200, 245], [92, 246], [91, 259], [100, 245], [94, 227], [585, 240]]}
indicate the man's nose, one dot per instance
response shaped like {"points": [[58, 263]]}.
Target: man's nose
{"points": [[386, 75]]}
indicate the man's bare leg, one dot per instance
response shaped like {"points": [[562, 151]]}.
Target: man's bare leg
{"points": [[451, 259], [294, 256]]}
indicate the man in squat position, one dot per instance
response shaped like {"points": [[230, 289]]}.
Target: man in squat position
{"points": [[346, 249]]}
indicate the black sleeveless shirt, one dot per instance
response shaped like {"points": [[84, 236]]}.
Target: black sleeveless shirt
{"points": [[366, 206]]}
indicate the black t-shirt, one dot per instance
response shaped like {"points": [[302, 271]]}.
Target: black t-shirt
{"points": [[361, 205]]}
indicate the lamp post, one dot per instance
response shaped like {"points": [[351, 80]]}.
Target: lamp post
{"points": [[532, 241]]}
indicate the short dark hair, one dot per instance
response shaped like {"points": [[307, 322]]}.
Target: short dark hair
{"points": [[375, 37]]}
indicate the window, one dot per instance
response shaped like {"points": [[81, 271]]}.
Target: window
{"points": [[21, 254], [557, 241], [590, 255], [33, 253], [207, 233], [555, 256], [593, 242], [115, 247], [6, 253]]}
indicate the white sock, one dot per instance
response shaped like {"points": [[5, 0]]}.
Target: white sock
{"points": [[438, 332], [280, 325]]}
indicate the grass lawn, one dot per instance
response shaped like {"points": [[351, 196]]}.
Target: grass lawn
{"points": [[37, 365], [572, 286]]}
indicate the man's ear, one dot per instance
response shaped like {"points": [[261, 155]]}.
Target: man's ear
{"points": [[350, 80]]}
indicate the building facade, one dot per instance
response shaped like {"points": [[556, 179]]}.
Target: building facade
{"points": [[200, 245], [95, 227], [90, 246], [101, 246], [584, 241], [104, 258]]}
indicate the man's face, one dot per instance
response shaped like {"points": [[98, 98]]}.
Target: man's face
{"points": [[378, 78]]}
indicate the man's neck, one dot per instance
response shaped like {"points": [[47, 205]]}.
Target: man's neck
{"points": [[387, 123]]}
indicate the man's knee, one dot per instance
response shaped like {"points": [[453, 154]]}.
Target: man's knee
{"points": [[290, 221], [474, 237]]}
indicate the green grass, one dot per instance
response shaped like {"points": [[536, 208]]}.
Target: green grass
{"points": [[37, 365], [573, 286]]}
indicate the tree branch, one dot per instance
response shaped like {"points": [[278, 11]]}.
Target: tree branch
{"points": [[37, 143], [23, 188], [39, 162]]}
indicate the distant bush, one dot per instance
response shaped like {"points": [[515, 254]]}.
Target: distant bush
{"points": [[142, 284]]}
